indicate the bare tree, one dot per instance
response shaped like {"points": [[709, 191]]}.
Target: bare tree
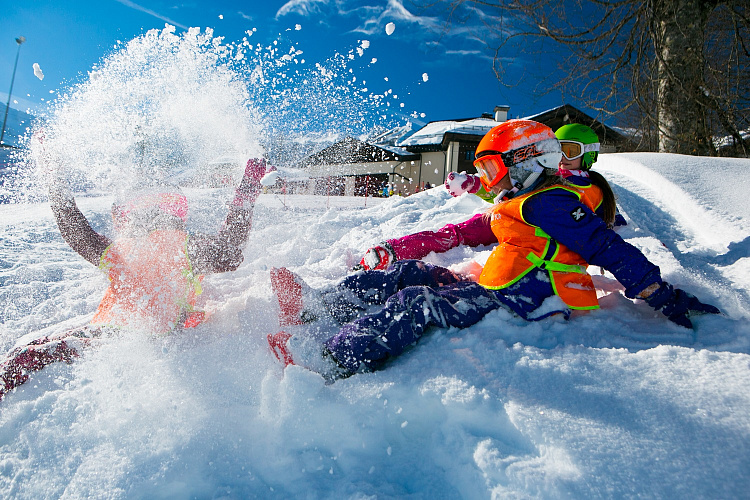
{"points": [[680, 66]]}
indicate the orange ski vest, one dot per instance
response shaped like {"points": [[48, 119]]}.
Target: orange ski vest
{"points": [[524, 247], [152, 285]]}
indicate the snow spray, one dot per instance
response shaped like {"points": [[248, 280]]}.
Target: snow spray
{"points": [[168, 107]]}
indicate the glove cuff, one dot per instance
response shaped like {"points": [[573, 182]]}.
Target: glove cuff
{"points": [[477, 183], [391, 252], [659, 297]]}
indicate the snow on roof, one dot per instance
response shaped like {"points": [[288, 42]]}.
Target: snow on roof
{"points": [[531, 117], [396, 150], [433, 132], [390, 137]]}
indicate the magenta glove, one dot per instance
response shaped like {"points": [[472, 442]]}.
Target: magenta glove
{"points": [[249, 188], [458, 184]]}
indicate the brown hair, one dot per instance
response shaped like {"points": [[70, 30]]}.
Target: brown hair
{"points": [[609, 204]]}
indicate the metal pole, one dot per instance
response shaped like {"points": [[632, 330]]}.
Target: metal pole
{"points": [[19, 41]]}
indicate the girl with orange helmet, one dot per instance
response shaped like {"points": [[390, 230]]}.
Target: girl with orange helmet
{"points": [[580, 149]]}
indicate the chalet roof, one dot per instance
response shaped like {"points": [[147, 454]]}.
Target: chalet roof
{"points": [[434, 132], [436, 135], [353, 151], [562, 115]]}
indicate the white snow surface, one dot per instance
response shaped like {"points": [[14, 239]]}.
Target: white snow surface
{"points": [[617, 403]]}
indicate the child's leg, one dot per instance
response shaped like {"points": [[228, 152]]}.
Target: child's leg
{"points": [[298, 303], [368, 341], [347, 299], [374, 287]]}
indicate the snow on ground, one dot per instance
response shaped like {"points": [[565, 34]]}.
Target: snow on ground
{"points": [[618, 403]]}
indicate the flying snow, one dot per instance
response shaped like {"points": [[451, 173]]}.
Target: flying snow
{"points": [[38, 71]]}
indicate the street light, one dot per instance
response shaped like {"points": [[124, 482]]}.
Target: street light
{"points": [[19, 41]]}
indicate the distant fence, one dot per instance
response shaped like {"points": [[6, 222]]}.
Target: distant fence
{"points": [[316, 202]]}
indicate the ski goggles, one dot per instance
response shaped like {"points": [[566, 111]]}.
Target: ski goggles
{"points": [[491, 169], [174, 204], [574, 149]]}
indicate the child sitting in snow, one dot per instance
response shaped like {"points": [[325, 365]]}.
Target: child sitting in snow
{"points": [[154, 266], [580, 150], [547, 234]]}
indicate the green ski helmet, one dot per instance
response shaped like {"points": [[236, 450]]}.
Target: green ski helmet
{"points": [[579, 140]]}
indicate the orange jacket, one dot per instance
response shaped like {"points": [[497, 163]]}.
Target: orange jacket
{"points": [[524, 247], [152, 284]]}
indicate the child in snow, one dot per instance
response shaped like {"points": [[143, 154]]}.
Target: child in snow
{"points": [[580, 150], [154, 267], [547, 234]]}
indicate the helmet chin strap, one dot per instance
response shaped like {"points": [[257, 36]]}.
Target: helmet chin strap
{"points": [[517, 186], [508, 193]]}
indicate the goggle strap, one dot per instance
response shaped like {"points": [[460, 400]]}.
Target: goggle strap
{"points": [[528, 151]]}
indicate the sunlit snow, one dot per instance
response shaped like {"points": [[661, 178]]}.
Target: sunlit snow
{"points": [[615, 403]]}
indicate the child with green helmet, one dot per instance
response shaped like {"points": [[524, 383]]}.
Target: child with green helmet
{"points": [[580, 147]]}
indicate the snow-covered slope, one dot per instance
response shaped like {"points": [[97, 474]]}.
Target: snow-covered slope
{"points": [[617, 403]]}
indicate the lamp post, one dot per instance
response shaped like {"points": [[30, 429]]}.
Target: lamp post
{"points": [[19, 41]]}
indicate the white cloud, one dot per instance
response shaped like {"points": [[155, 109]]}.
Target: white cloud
{"points": [[394, 11], [378, 20], [464, 52], [301, 7], [133, 5]]}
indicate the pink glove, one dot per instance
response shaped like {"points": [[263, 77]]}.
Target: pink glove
{"points": [[458, 184], [249, 188], [378, 257]]}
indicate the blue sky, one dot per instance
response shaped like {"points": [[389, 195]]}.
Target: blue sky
{"points": [[66, 39]]}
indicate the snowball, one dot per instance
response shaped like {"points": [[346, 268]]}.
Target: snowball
{"points": [[390, 28], [425, 77], [270, 178], [38, 71]]}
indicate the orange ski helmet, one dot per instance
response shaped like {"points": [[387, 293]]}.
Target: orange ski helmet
{"points": [[522, 148]]}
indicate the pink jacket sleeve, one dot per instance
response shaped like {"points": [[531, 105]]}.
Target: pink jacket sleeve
{"points": [[473, 232]]}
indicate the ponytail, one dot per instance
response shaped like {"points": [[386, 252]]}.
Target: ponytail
{"points": [[608, 206]]}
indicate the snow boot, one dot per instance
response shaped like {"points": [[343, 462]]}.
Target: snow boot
{"points": [[279, 347], [298, 302]]}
